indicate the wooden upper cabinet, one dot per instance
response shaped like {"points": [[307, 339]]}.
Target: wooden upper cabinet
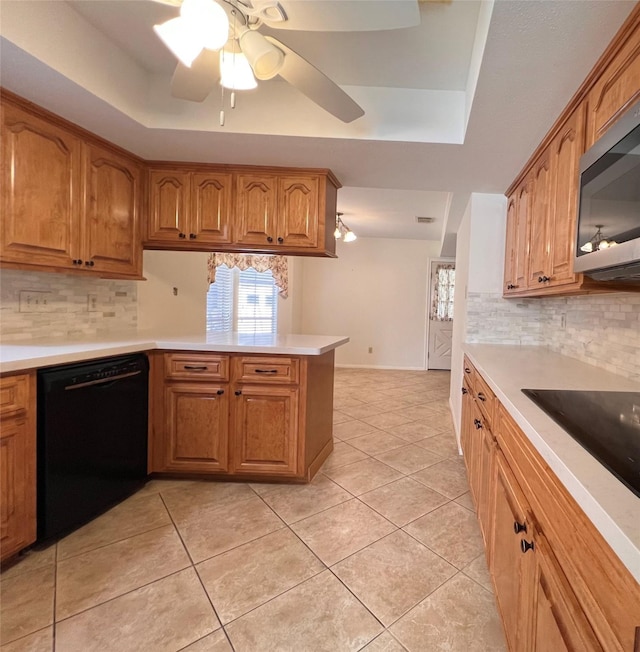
{"points": [[113, 196], [538, 232], [256, 217], [616, 89], [169, 193], [211, 210], [511, 246], [298, 211], [41, 180]]}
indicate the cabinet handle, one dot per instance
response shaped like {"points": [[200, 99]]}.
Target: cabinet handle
{"points": [[269, 238], [266, 371], [89, 263], [191, 367], [511, 286], [467, 370], [543, 279], [465, 390], [526, 545], [181, 235], [519, 527], [477, 423], [192, 236], [482, 397], [238, 392], [220, 392], [280, 240]]}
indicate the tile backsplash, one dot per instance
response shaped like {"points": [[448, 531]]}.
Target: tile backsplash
{"points": [[602, 330], [37, 304]]}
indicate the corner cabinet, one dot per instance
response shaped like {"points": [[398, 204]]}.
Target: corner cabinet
{"points": [[198, 207], [71, 202], [17, 463], [558, 585], [542, 203], [252, 417]]}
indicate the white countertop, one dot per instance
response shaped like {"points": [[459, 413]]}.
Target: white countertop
{"points": [[612, 507], [31, 354]]}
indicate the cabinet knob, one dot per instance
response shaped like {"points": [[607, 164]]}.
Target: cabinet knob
{"points": [[192, 236], [526, 545], [467, 370], [181, 235], [77, 261], [519, 527], [280, 240], [511, 286], [238, 392], [465, 390], [89, 263], [269, 238], [482, 397], [477, 423], [543, 279], [220, 392]]}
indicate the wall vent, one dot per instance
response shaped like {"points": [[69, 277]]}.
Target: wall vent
{"points": [[425, 220]]}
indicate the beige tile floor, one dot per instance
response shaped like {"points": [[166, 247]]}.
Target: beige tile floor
{"points": [[381, 552]]}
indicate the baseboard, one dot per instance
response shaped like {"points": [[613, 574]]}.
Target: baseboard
{"points": [[376, 366]]}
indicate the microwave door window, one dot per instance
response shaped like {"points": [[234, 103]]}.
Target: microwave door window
{"points": [[610, 197]]}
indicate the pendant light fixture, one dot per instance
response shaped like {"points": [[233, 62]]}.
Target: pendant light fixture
{"points": [[597, 242], [343, 231]]}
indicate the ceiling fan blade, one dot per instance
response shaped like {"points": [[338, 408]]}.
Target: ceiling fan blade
{"points": [[316, 85], [195, 83], [347, 15]]}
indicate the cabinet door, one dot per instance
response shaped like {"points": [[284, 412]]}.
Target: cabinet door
{"points": [[521, 242], [538, 232], [508, 565], [567, 147], [41, 171], [466, 424], [168, 206], [511, 252], [298, 211], [487, 453], [111, 229], [265, 430], [196, 426], [617, 88], [256, 221], [557, 622], [211, 208]]}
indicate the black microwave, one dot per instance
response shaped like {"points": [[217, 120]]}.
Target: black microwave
{"points": [[608, 230]]}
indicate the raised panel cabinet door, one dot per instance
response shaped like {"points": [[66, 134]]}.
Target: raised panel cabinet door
{"points": [[197, 427], [265, 430], [616, 90], [111, 229], [558, 623], [521, 240], [298, 211], [211, 207], [41, 172], [511, 246], [508, 565], [168, 206], [256, 221], [538, 232], [566, 150], [487, 453]]}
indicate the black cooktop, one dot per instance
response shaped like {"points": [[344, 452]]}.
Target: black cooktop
{"points": [[607, 424]]}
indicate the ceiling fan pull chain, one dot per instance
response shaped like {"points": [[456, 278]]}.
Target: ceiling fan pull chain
{"points": [[221, 106], [233, 99]]}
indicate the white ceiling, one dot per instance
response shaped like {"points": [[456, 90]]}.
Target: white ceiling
{"points": [[453, 106]]}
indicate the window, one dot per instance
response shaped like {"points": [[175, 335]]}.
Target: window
{"points": [[242, 300], [444, 280]]}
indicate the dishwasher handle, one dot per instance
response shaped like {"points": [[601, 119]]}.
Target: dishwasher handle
{"points": [[103, 381]]}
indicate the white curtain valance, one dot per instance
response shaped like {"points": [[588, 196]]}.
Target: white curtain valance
{"points": [[261, 263]]}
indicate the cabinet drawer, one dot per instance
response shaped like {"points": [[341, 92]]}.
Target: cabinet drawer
{"points": [[266, 370], [13, 395], [486, 399], [194, 366]]}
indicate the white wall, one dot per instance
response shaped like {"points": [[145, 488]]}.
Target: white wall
{"points": [[479, 268], [376, 293], [160, 309]]}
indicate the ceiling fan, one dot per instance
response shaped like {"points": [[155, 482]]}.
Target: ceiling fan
{"points": [[222, 40]]}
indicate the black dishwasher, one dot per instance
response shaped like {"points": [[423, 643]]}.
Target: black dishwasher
{"points": [[92, 439]]}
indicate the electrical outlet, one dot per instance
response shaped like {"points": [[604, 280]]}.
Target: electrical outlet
{"points": [[35, 301], [92, 302], [370, 349]]}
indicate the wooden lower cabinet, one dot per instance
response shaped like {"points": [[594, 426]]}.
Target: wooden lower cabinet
{"points": [[558, 585], [235, 416], [17, 463]]}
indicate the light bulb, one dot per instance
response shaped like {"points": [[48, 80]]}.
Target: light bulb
{"points": [[350, 236], [587, 247], [337, 234], [177, 36], [235, 71], [207, 21]]}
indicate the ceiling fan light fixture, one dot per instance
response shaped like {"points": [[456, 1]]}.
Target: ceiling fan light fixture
{"points": [[177, 36], [265, 59], [207, 21], [235, 71]]}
